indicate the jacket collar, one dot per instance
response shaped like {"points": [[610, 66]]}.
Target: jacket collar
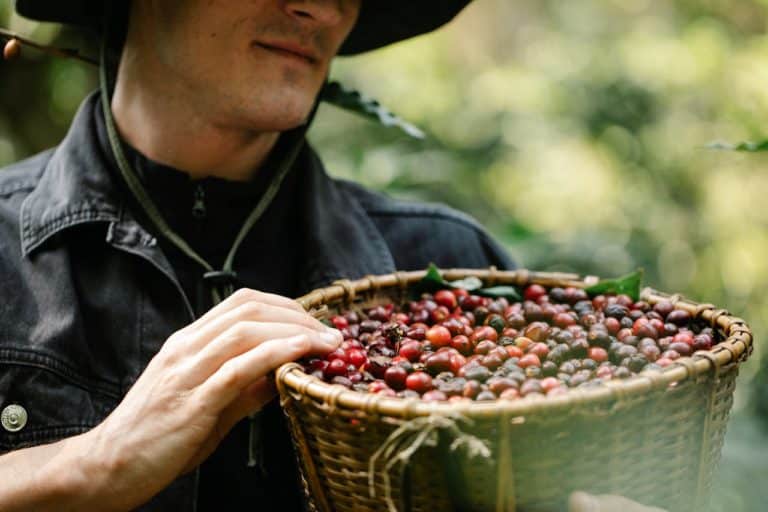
{"points": [[77, 187]]}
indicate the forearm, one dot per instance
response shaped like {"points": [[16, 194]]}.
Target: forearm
{"points": [[61, 476]]}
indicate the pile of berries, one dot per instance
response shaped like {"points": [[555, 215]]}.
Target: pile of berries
{"points": [[452, 345]]}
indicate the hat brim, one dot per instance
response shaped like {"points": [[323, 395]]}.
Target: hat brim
{"points": [[381, 22]]}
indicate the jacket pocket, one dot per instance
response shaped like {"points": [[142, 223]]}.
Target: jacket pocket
{"points": [[45, 402]]}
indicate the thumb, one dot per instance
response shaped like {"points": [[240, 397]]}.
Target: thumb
{"points": [[250, 400]]}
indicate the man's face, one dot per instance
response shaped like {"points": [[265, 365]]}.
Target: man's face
{"points": [[254, 64]]}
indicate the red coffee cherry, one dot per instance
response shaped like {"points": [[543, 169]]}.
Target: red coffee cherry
{"points": [[534, 292], [420, 382], [395, 377], [439, 336], [529, 360], [446, 298]]}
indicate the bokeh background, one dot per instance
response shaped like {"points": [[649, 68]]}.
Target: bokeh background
{"points": [[576, 131]]}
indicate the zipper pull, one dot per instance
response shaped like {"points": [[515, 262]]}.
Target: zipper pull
{"points": [[198, 207]]}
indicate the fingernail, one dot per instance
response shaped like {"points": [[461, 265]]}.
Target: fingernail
{"points": [[330, 338]]}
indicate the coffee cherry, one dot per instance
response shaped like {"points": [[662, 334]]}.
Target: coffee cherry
{"points": [[438, 362], [484, 332], [434, 395], [683, 337], [529, 360], [376, 366], [531, 386], [496, 322], [563, 320], [549, 383], [499, 384], [340, 322], [471, 389], [541, 350], [604, 372], [335, 368], [579, 347], [395, 377], [681, 348], [484, 347], [598, 354], [457, 362], [356, 357], [514, 351], [510, 394], [651, 352], [12, 49], [479, 373], [411, 351], [679, 317], [491, 361], [419, 381], [485, 396], [702, 342], [536, 331], [446, 298], [548, 368], [534, 292]]}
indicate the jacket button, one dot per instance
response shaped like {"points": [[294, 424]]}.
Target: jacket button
{"points": [[13, 418]]}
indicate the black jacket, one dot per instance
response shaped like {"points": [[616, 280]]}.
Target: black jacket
{"points": [[89, 297]]}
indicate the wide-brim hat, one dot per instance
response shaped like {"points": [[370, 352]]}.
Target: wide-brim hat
{"points": [[381, 22]]}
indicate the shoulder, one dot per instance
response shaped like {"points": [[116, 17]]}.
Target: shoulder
{"points": [[419, 233], [17, 181], [20, 178]]}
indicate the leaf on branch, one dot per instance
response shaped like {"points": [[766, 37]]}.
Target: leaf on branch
{"points": [[433, 281], [748, 147], [628, 285], [349, 99], [508, 292]]}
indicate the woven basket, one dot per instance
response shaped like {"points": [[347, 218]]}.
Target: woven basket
{"points": [[655, 438]]}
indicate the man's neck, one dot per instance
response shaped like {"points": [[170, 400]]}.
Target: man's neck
{"points": [[155, 118]]}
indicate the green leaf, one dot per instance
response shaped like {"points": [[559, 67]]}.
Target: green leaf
{"points": [[470, 284], [351, 100], [629, 285], [433, 276], [509, 292], [748, 147], [433, 281]]}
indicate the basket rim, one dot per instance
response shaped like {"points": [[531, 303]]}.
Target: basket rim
{"points": [[732, 351]]}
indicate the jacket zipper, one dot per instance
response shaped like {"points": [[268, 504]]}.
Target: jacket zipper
{"points": [[198, 205]]}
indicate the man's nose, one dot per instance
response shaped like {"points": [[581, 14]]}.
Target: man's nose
{"points": [[326, 12]]}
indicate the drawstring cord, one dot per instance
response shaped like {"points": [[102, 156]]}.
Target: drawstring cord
{"points": [[222, 282]]}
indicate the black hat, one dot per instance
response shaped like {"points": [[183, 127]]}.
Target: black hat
{"points": [[381, 22]]}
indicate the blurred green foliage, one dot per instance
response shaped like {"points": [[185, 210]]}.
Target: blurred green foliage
{"points": [[577, 132]]}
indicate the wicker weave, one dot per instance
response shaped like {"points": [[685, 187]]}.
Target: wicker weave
{"points": [[655, 437]]}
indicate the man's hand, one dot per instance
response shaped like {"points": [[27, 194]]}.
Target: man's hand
{"points": [[206, 378], [583, 502]]}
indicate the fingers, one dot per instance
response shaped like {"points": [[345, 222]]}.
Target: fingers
{"points": [[244, 296], [249, 311], [237, 373], [251, 399], [244, 336]]}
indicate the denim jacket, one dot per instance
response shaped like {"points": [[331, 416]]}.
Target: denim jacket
{"points": [[89, 296]]}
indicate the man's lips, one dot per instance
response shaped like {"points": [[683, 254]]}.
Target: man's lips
{"points": [[291, 50]]}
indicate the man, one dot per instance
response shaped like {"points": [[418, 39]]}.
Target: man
{"points": [[125, 370], [123, 363]]}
